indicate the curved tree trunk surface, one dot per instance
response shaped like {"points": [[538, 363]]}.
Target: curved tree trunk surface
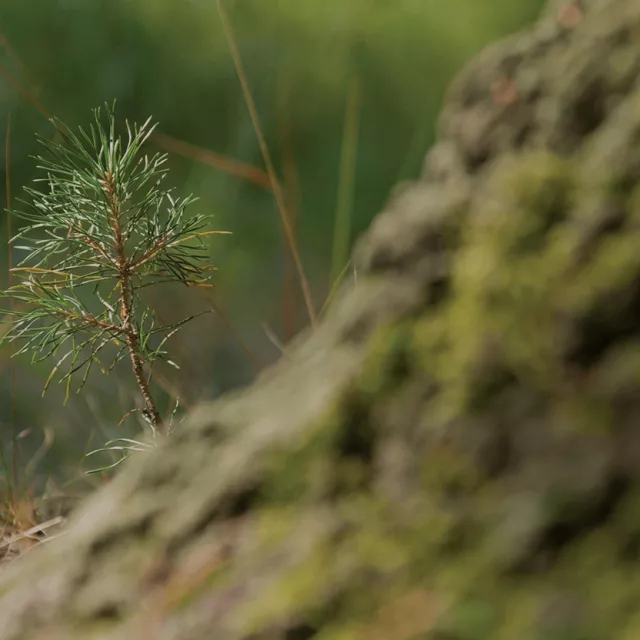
{"points": [[454, 454]]}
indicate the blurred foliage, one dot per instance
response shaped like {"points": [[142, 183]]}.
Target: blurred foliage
{"points": [[170, 59]]}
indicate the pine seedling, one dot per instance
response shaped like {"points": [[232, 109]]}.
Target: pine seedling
{"points": [[103, 228]]}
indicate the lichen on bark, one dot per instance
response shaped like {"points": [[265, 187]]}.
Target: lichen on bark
{"points": [[454, 453]]}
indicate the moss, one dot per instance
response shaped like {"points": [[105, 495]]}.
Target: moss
{"points": [[474, 619], [333, 458], [618, 375], [449, 471], [351, 574], [272, 524], [389, 359], [498, 326], [303, 473], [300, 592], [514, 277], [590, 594], [334, 455], [575, 410]]}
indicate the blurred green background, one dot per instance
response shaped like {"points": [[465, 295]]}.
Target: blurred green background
{"points": [[306, 61]]}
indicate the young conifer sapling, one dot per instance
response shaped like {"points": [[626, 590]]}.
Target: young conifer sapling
{"points": [[102, 228]]}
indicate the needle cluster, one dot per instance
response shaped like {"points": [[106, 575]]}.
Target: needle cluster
{"points": [[101, 226]]}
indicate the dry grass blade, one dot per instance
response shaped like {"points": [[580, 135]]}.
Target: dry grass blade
{"points": [[294, 196], [220, 312], [335, 286], [13, 54], [266, 155], [171, 389], [217, 161], [26, 94], [39, 528], [274, 340], [41, 451]]}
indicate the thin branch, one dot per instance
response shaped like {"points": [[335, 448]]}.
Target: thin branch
{"points": [[92, 321], [76, 232], [163, 245]]}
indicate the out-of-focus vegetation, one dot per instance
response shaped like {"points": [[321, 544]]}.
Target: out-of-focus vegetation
{"points": [[386, 63]]}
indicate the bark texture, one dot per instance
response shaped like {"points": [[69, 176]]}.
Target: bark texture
{"points": [[454, 454]]}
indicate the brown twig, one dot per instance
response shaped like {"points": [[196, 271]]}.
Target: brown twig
{"points": [[77, 232], [163, 244], [92, 321]]}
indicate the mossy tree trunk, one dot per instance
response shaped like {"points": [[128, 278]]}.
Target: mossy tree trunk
{"points": [[454, 453]]}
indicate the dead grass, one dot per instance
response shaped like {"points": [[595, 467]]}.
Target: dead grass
{"points": [[22, 528]]}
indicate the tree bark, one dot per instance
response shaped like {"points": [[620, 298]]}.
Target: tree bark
{"points": [[454, 452]]}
